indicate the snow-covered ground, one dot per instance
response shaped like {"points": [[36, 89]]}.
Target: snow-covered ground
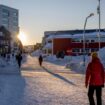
{"points": [[8, 66], [57, 82]]}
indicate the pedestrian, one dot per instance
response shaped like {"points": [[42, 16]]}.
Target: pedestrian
{"points": [[95, 79], [40, 60], [19, 59]]}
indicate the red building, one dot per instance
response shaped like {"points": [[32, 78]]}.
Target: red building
{"points": [[73, 44], [61, 44]]}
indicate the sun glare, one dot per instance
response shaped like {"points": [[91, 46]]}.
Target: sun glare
{"points": [[22, 37]]}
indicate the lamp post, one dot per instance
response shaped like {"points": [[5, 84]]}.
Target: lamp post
{"points": [[84, 51], [99, 13]]}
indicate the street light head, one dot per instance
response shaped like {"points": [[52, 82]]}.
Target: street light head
{"points": [[92, 14]]}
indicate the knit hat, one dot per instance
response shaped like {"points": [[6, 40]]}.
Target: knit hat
{"points": [[94, 55]]}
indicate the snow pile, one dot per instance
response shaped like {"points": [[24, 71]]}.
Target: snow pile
{"points": [[50, 58], [54, 58], [57, 61], [36, 53], [8, 66], [101, 54], [76, 64]]}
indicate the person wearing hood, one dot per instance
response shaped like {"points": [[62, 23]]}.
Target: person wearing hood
{"points": [[95, 79]]}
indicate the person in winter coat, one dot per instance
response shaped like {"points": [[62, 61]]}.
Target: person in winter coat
{"points": [[19, 59], [40, 60], [95, 79]]}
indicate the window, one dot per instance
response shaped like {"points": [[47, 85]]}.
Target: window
{"points": [[49, 41], [5, 25], [15, 23], [5, 21], [87, 40], [75, 40], [4, 16], [15, 19], [87, 50], [49, 51], [82, 50], [15, 14], [94, 49], [82, 41], [5, 12], [92, 41], [76, 50]]}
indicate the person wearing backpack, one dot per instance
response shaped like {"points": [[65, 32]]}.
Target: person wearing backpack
{"points": [[95, 79]]}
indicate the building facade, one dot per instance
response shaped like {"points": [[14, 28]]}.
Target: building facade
{"points": [[9, 18], [72, 43], [5, 41], [91, 43]]}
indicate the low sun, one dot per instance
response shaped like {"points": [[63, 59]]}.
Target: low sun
{"points": [[22, 37]]}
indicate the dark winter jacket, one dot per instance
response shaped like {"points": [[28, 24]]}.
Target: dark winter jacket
{"points": [[95, 73], [40, 58], [18, 57]]}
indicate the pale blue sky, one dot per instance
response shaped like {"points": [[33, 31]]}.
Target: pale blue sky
{"points": [[37, 16]]}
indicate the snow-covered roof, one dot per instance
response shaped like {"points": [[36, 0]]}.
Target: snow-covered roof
{"points": [[59, 36], [50, 37], [48, 46], [93, 34], [63, 36]]}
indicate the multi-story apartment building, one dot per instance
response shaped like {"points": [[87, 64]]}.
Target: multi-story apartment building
{"points": [[9, 18]]}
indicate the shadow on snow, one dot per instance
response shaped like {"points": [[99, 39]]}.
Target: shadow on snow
{"points": [[58, 76]]}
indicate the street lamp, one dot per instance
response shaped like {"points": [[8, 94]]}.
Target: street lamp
{"points": [[99, 13], [84, 51]]}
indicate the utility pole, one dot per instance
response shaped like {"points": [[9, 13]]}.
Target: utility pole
{"points": [[99, 14], [84, 42]]}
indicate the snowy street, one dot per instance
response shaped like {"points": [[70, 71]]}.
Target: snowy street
{"points": [[52, 84]]}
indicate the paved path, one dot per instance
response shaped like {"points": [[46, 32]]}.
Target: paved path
{"points": [[47, 85]]}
